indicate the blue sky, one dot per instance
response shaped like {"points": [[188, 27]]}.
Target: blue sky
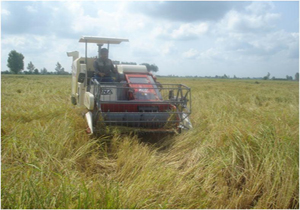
{"points": [[246, 39]]}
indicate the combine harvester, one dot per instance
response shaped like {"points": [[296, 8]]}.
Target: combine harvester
{"points": [[134, 102]]}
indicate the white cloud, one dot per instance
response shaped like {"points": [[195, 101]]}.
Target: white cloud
{"points": [[186, 31], [189, 31], [211, 54], [105, 22], [184, 11], [31, 9], [260, 7], [235, 49], [14, 41], [5, 12], [144, 49], [191, 54], [168, 49], [252, 35], [294, 46], [236, 22], [245, 38]]}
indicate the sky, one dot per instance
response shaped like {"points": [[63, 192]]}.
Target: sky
{"points": [[195, 38]]}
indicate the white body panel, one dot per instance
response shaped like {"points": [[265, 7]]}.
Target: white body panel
{"points": [[77, 68], [89, 100], [75, 74], [131, 69], [109, 93], [80, 94]]}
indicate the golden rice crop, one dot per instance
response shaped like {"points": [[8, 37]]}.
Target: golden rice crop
{"points": [[243, 151]]}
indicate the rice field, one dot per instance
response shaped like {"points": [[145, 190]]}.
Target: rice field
{"points": [[243, 151]]}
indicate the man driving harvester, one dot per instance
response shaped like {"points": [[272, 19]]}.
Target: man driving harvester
{"points": [[104, 67]]}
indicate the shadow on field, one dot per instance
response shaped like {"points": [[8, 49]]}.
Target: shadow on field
{"points": [[161, 141]]}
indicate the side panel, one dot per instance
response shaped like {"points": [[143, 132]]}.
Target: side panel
{"points": [[75, 73], [89, 100], [80, 94], [109, 93], [78, 67]]}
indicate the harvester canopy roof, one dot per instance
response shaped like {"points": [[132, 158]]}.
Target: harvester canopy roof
{"points": [[101, 40]]}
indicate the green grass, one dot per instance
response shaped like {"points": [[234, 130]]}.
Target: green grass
{"points": [[243, 151]]}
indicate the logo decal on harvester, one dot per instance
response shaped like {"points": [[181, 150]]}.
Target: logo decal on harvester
{"points": [[143, 90], [106, 92]]}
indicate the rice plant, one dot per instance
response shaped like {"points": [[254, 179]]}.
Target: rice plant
{"points": [[243, 151]]}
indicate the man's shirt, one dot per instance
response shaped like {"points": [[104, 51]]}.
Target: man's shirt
{"points": [[104, 66]]}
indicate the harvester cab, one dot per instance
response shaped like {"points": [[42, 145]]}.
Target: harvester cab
{"points": [[135, 101]]}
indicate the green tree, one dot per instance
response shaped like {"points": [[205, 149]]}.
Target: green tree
{"points": [[30, 67], [267, 76], [59, 69], [15, 62], [225, 76], [44, 71], [297, 76], [151, 67]]}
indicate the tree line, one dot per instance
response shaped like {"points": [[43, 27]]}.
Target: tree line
{"points": [[15, 63], [267, 77], [290, 78]]}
